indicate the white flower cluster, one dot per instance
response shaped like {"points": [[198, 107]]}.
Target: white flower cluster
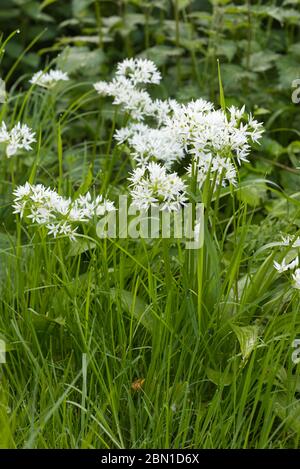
{"points": [[289, 241], [147, 143], [293, 263], [211, 138], [48, 79], [151, 184], [60, 215], [219, 168], [18, 138], [215, 138], [138, 71], [125, 86]]}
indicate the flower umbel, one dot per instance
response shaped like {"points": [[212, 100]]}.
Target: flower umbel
{"points": [[20, 137], [214, 141], [152, 184], [48, 79], [60, 215]]}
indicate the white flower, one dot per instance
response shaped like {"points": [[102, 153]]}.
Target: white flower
{"points": [[296, 243], [148, 143], [18, 138], [215, 140], [138, 71], [53, 229], [283, 267], [123, 87], [288, 241], [48, 79], [60, 215], [134, 101], [218, 168], [296, 278], [152, 184], [204, 130]]}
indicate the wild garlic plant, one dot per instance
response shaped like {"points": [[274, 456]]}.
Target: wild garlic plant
{"points": [[60, 216], [213, 142], [203, 143], [152, 184], [48, 79], [20, 137], [290, 262]]}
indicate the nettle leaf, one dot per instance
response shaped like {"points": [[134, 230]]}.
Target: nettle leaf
{"points": [[130, 23], [287, 411], [280, 14], [133, 305], [261, 61], [74, 59], [290, 2], [46, 324], [247, 337], [268, 10], [219, 378], [252, 192], [80, 246], [182, 4], [291, 16], [161, 54], [78, 6], [289, 181], [234, 76], [227, 49], [220, 2], [295, 49], [271, 147], [289, 70]]}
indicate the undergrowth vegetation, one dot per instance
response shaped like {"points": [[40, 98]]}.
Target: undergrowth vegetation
{"points": [[124, 341]]}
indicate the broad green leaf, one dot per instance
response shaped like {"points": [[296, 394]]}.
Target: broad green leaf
{"points": [[227, 48], [261, 61], [252, 193], [182, 4], [79, 246], [86, 184], [133, 305], [289, 70], [220, 378], [46, 324], [288, 411], [75, 59], [247, 337], [78, 6]]}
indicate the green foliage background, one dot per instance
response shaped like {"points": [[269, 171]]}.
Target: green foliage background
{"points": [[83, 322]]}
